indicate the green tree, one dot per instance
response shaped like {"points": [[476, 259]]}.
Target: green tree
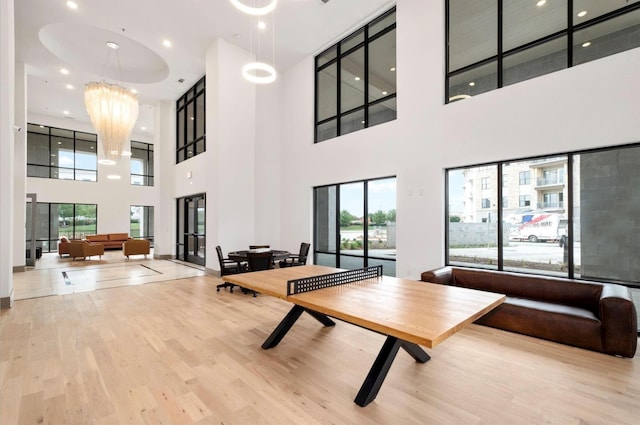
{"points": [[346, 218], [391, 216], [378, 218], [454, 219]]}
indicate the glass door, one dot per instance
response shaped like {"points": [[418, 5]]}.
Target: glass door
{"points": [[191, 229]]}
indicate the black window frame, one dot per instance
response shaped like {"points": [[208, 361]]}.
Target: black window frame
{"points": [[145, 152], [366, 213], [567, 33], [52, 138], [198, 144], [339, 55], [53, 237]]}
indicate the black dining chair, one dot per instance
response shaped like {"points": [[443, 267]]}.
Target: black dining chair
{"points": [[227, 267], [299, 259], [259, 261]]}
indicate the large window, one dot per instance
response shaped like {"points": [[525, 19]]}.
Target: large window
{"points": [[190, 123], [141, 164], [355, 224], [495, 43], [584, 225], [56, 153], [53, 221], [356, 80], [141, 225]]}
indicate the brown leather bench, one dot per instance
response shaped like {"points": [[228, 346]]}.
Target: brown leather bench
{"points": [[592, 315]]}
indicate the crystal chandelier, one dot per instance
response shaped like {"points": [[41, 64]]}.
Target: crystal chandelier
{"points": [[113, 111]]}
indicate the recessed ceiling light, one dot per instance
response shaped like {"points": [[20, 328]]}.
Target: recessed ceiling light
{"points": [[70, 86], [41, 126], [134, 91], [586, 44], [357, 78], [262, 25], [384, 93], [113, 45], [392, 69], [65, 112], [166, 43], [113, 177], [72, 5], [143, 128], [472, 83], [191, 118], [64, 71], [541, 3], [362, 122], [106, 162], [583, 13]]}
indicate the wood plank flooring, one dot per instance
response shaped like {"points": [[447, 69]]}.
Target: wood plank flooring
{"points": [[178, 352]]}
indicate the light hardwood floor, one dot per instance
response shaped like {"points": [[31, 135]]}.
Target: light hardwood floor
{"points": [[178, 352]]}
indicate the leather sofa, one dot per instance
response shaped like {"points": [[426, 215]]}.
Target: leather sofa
{"points": [[85, 249], [136, 246], [109, 240], [592, 315]]}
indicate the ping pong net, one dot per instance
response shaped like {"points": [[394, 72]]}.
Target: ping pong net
{"points": [[307, 284]]}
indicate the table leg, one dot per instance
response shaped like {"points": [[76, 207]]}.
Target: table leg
{"points": [[382, 364], [287, 322]]}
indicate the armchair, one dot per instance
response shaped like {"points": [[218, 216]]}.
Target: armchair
{"points": [[135, 247], [299, 259], [63, 246], [85, 249]]}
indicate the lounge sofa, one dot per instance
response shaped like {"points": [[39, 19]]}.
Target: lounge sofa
{"points": [[109, 240], [135, 247], [85, 249], [592, 315]]}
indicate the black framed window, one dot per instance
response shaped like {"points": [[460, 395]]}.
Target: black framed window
{"points": [[141, 222], [580, 219], [355, 85], [191, 122], [495, 43], [57, 153], [141, 164], [55, 220], [355, 224]]}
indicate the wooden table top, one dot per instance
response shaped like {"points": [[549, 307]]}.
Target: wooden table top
{"points": [[419, 312]]}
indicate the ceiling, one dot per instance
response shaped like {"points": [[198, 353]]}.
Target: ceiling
{"points": [[51, 36]]}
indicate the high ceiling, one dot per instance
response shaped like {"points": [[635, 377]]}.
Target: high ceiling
{"points": [[51, 36]]}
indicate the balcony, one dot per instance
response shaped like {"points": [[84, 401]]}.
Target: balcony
{"points": [[550, 181]]}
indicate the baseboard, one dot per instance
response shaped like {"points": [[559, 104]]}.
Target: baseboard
{"points": [[6, 302], [19, 269], [212, 272], [163, 257]]}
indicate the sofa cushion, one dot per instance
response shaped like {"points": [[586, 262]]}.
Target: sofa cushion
{"points": [[552, 322], [583, 295], [118, 236], [97, 238]]}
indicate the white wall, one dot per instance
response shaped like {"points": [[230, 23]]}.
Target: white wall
{"points": [[7, 80], [588, 106]]}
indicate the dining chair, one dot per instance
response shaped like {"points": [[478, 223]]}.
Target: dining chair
{"points": [[259, 261], [299, 259], [227, 267]]}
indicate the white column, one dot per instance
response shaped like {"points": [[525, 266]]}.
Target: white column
{"points": [[231, 173], [164, 149], [7, 80], [20, 168]]}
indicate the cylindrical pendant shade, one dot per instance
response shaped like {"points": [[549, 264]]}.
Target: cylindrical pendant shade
{"points": [[113, 111]]}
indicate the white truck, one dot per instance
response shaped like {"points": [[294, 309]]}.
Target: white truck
{"points": [[537, 227]]}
